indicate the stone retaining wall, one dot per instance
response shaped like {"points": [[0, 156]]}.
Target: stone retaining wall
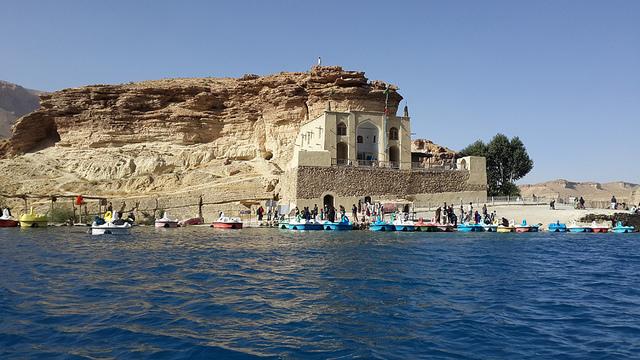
{"points": [[313, 182]]}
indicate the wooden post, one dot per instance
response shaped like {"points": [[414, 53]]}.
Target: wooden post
{"points": [[155, 209], [73, 206]]}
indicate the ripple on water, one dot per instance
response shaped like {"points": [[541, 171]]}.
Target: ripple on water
{"points": [[201, 293]]}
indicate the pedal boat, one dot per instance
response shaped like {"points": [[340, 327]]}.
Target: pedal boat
{"points": [[381, 226], [343, 225], [166, 222], [402, 225], [557, 227], [304, 225], [599, 228], [109, 228], [6, 220], [579, 229], [620, 229], [420, 225], [225, 222], [505, 229], [467, 227], [33, 220]]}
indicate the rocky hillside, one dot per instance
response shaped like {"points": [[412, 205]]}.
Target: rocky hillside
{"points": [[15, 101], [227, 139], [440, 154], [592, 191]]}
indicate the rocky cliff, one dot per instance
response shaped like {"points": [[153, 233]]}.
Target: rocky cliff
{"points": [[224, 138], [15, 101]]}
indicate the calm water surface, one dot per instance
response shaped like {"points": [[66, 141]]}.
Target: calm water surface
{"points": [[204, 293]]}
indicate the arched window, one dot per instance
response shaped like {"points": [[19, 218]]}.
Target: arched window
{"points": [[341, 129], [359, 139], [393, 133]]}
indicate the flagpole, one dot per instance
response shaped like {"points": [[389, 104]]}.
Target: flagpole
{"points": [[384, 124]]}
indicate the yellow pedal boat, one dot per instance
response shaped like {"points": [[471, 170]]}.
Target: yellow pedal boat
{"points": [[505, 229], [33, 220]]}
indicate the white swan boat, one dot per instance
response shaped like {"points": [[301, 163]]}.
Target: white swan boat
{"points": [[109, 228], [166, 222]]}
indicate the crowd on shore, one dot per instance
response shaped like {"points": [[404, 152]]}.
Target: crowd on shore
{"points": [[365, 213]]}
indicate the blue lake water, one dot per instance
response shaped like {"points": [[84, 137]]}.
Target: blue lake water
{"points": [[204, 293]]}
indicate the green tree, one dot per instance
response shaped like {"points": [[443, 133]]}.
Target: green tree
{"points": [[507, 161]]}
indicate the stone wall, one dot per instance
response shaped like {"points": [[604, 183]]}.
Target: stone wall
{"points": [[313, 182]]}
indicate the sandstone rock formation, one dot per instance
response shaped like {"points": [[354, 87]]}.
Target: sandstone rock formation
{"points": [[438, 154], [227, 139], [15, 101]]}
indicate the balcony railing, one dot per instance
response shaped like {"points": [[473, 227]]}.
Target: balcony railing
{"points": [[433, 167]]}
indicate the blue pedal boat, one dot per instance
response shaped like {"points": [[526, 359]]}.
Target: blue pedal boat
{"points": [[557, 227], [620, 229], [381, 226], [338, 226], [401, 225], [470, 228], [305, 226]]}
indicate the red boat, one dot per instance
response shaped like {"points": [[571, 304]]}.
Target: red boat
{"points": [[599, 228], [8, 223], [192, 221], [6, 220], [227, 223]]}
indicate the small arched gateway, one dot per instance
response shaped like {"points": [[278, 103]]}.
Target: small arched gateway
{"points": [[327, 200]]}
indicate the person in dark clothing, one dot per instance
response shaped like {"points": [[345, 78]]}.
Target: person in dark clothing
{"points": [[315, 211], [552, 204], [260, 213], [354, 213], [331, 215], [581, 201], [438, 210]]}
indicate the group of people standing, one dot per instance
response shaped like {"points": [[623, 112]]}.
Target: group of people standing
{"points": [[328, 213], [445, 215]]}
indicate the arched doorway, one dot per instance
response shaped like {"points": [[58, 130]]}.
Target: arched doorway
{"points": [[394, 157], [327, 201], [367, 143], [342, 153]]}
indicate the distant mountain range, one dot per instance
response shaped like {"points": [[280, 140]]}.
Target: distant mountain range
{"points": [[623, 191], [15, 101]]}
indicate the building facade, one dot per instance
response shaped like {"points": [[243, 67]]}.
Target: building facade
{"points": [[341, 158]]}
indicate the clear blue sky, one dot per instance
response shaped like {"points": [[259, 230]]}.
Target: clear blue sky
{"points": [[563, 75]]}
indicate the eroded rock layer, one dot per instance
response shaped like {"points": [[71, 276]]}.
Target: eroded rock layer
{"points": [[228, 139]]}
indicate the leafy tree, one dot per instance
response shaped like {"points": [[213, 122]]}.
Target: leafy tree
{"points": [[507, 161]]}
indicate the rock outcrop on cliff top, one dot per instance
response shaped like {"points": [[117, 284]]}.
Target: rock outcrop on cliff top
{"points": [[228, 139]]}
